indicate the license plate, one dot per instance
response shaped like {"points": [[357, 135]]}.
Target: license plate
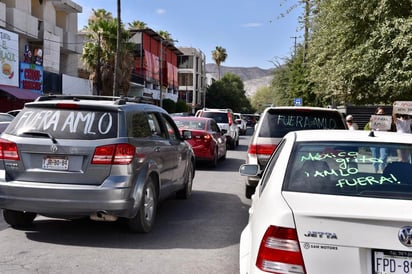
{"points": [[392, 262], [58, 163]]}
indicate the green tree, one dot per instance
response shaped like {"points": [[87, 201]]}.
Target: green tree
{"points": [[360, 51], [102, 27], [136, 24], [228, 92], [219, 55]]}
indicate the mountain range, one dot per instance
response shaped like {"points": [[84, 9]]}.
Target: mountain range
{"points": [[253, 77]]}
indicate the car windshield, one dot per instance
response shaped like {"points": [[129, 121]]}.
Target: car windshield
{"points": [[279, 122], [220, 117], [65, 124], [343, 168]]}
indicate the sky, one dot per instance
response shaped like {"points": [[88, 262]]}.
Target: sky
{"points": [[253, 32]]}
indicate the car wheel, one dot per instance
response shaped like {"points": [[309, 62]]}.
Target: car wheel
{"points": [[215, 159], [249, 191], [18, 218], [186, 192], [146, 215], [224, 154]]}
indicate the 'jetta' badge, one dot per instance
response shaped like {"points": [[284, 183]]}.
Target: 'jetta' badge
{"points": [[405, 235], [53, 148]]}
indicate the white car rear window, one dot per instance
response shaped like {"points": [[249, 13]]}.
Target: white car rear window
{"points": [[351, 169]]}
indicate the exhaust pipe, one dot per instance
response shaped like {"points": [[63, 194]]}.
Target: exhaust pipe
{"points": [[102, 215]]}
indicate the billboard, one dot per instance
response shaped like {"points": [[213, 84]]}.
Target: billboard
{"points": [[9, 58]]}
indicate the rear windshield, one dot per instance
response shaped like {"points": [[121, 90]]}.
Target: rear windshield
{"points": [[355, 169], [276, 123], [65, 124], [220, 117]]}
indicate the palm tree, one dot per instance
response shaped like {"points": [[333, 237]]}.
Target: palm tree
{"points": [[165, 35], [219, 55], [136, 24], [102, 27]]}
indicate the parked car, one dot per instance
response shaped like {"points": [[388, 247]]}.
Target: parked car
{"points": [[240, 122], [225, 119], [320, 207], [275, 122], [208, 142], [103, 157], [5, 117]]}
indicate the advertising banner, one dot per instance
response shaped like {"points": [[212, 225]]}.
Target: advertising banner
{"points": [[9, 58]]}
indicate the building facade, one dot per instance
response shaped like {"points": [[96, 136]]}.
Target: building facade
{"points": [[155, 75], [39, 44], [192, 77]]}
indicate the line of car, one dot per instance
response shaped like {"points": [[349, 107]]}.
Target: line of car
{"points": [[318, 205]]}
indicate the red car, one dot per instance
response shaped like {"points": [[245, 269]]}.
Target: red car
{"points": [[208, 141]]}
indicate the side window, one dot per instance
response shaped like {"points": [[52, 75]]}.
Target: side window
{"points": [[171, 130], [154, 125], [138, 125], [214, 127], [269, 167]]}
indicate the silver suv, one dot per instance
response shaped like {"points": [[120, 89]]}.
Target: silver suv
{"points": [[101, 157], [226, 122], [276, 122]]}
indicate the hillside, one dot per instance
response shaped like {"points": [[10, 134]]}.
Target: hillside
{"points": [[253, 77]]}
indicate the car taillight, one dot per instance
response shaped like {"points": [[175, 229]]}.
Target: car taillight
{"points": [[207, 138], [261, 149], [279, 251], [118, 154], [8, 150], [230, 119]]}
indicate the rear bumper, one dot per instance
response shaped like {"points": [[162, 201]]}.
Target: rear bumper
{"points": [[63, 199]]}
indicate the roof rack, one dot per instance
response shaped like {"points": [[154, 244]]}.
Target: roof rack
{"points": [[119, 100]]}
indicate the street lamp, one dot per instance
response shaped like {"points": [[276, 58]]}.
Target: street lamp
{"points": [[160, 67]]}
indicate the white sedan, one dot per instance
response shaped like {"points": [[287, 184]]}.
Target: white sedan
{"points": [[321, 208]]}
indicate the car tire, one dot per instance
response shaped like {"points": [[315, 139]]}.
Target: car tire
{"points": [[215, 159], [18, 219], [249, 191], [145, 218], [186, 192]]}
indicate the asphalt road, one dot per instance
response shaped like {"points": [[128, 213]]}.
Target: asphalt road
{"points": [[200, 235]]}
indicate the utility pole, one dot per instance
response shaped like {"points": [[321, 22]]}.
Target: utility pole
{"points": [[160, 72], [116, 61], [98, 70]]}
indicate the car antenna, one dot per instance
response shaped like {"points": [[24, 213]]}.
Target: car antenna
{"points": [[371, 134]]}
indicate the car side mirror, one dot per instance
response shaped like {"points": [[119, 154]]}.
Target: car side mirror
{"points": [[186, 134], [250, 170]]}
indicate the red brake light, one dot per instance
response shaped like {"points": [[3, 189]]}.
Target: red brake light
{"points": [[119, 154], [8, 150], [261, 149], [230, 119], [207, 137], [67, 105], [279, 251]]}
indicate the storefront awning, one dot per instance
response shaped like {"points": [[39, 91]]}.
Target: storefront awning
{"points": [[19, 93]]}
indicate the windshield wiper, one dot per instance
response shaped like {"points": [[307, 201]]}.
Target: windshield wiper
{"points": [[40, 134]]}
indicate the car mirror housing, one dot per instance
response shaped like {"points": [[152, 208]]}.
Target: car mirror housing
{"points": [[249, 170]]}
